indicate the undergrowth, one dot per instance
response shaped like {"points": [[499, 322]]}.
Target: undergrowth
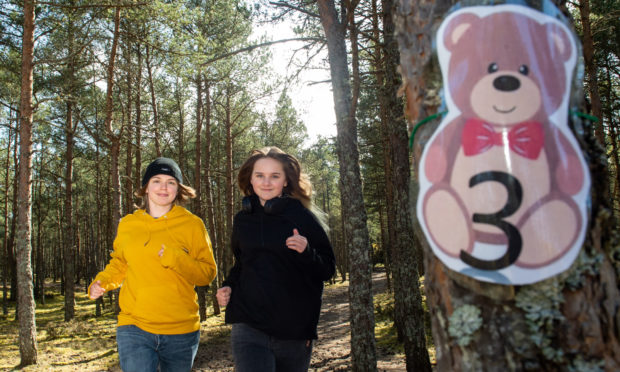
{"points": [[88, 343], [385, 330]]}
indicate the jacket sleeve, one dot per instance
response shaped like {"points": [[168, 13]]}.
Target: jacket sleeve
{"points": [[196, 264], [319, 254], [235, 272], [114, 273]]}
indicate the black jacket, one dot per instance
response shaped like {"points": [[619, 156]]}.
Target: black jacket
{"points": [[276, 289]]}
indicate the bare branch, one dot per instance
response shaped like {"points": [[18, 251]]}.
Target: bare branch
{"points": [[252, 47], [287, 5], [102, 5]]}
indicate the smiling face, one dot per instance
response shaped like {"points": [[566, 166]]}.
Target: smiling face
{"points": [[505, 97], [268, 179], [162, 191], [505, 68]]}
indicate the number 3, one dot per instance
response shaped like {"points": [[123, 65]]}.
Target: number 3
{"points": [[515, 196]]}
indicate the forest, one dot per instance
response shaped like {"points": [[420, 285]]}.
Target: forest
{"points": [[92, 90]]}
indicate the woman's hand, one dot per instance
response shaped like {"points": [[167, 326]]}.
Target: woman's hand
{"points": [[223, 295], [96, 290], [297, 242]]}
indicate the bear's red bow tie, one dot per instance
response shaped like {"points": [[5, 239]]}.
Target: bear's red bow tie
{"points": [[525, 139]]}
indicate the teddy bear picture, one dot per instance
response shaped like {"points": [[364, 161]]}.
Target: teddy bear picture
{"points": [[503, 184]]}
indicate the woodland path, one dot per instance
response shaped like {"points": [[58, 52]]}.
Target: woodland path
{"points": [[331, 352]]}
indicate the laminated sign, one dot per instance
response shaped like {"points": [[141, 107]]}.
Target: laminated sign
{"points": [[503, 184]]}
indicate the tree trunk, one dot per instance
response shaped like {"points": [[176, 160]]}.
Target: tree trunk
{"points": [[406, 249], [210, 215], [138, 181], [149, 70], [101, 256], [68, 261], [26, 305], [227, 256], [128, 199], [565, 323], [112, 137], [181, 140], [5, 237], [591, 69], [11, 248], [363, 353], [201, 290], [387, 165]]}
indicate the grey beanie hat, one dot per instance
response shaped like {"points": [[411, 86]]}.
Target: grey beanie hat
{"points": [[165, 166]]}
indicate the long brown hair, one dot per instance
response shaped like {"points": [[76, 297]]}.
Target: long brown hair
{"points": [[298, 184]]}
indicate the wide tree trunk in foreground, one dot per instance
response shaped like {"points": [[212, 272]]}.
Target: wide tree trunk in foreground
{"points": [[363, 352], [25, 295], [568, 322]]}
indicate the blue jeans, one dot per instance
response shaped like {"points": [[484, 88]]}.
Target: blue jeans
{"points": [[256, 351], [141, 351]]}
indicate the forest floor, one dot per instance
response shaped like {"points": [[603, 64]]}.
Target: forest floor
{"points": [[88, 343]]}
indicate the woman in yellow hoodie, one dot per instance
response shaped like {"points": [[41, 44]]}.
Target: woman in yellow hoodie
{"points": [[161, 252]]}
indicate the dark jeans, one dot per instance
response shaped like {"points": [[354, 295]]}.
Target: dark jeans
{"points": [[141, 351], [256, 351]]}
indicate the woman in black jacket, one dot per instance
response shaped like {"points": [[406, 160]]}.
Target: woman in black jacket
{"points": [[282, 256]]}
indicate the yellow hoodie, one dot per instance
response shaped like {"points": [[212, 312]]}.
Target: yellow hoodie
{"points": [[157, 293]]}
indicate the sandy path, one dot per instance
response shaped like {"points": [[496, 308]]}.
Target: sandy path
{"points": [[332, 351]]}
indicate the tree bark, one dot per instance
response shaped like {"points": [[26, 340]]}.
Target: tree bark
{"points": [[568, 322], [181, 139], [26, 306], [201, 290], [406, 249], [227, 253], [149, 70], [363, 352], [5, 237], [591, 69], [114, 138], [68, 261], [208, 194], [387, 164], [128, 181], [138, 160]]}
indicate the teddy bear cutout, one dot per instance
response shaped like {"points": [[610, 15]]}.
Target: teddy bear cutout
{"points": [[503, 182]]}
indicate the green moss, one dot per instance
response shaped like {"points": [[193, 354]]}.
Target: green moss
{"points": [[585, 264], [463, 324], [541, 304], [580, 365]]}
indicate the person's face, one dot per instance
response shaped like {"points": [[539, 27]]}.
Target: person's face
{"points": [[268, 179], [162, 190]]}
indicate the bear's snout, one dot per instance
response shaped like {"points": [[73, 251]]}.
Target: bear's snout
{"points": [[506, 83]]}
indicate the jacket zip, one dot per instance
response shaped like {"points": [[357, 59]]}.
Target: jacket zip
{"points": [[262, 233]]}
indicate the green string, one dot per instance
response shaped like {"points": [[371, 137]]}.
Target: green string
{"points": [[423, 121], [593, 119]]}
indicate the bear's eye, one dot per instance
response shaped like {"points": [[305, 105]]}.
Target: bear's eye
{"points": [[524, 70], [492, 68]]}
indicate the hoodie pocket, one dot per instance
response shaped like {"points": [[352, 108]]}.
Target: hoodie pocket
{"points": [[163, 304]]}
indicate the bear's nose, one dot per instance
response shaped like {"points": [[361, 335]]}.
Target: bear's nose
{"points": [[506, 83]]}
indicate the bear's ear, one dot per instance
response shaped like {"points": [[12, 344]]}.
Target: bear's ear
{"points": [[560, 41], [457, 27]]}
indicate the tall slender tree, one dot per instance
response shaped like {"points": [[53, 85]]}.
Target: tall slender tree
{"points": [[407, 252], [113, 137], [27, 327], [363, 349]]}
